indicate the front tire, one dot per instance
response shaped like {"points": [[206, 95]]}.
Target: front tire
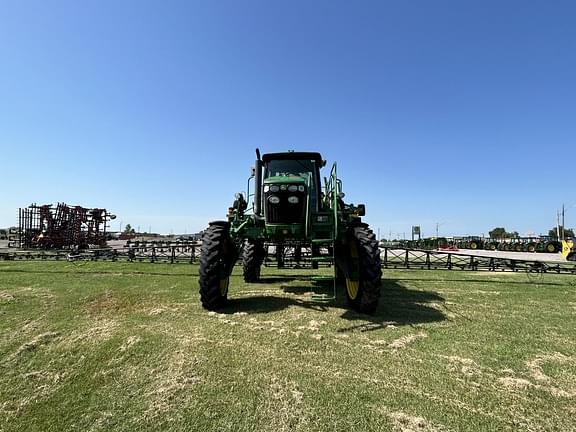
{"points": [[217, 257], [252, 259], [362, 270]]}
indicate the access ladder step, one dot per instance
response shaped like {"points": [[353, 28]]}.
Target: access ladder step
{"points": [[322, 298], [322, 278], [322, 241], [322, 259]]}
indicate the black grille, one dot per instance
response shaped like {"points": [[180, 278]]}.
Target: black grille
{"points": [[284, 212]]}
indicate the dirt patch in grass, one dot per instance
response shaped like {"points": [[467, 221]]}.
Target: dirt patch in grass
{"points": [[6, 297], [130, 342], [542, 381], [261, 325], [515, 383], [107, 303], [535, 365], [169, 388], [161, 309], [463, 365], [404, 341], [283, 403], [520, 384], [312, 326], [403, 422], [100, 330], [35, 343], [45, 384]]}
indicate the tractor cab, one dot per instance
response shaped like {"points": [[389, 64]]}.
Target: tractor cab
{"points": [[291, 186]]}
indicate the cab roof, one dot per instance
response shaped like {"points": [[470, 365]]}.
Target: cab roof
{"points": [[293, 156]]}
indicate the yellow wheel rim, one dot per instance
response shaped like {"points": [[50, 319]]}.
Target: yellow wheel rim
{"points": [[224, 286], [352, 288]]}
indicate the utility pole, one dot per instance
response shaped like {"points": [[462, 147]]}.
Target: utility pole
{"points": [[562, 221], [438, 224], [558, 225]]}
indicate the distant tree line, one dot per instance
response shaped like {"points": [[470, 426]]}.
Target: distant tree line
{"points": [[567, 232], [500, 233], [128, 229]]}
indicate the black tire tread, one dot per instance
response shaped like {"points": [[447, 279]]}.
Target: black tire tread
{"points": [[252, 259], [212, 259], [370, 270]]}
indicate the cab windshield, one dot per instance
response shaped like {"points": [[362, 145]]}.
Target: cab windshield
{"points": [[289, 168], [294, 167]]}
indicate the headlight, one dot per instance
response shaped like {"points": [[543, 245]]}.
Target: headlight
{"points": [[273, 199], [293, 199], [274, 188], [266, 188], [292, 188], [283, 187], [301, 188]]}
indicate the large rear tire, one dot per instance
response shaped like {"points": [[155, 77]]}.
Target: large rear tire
{"points": [[252, 259], [551, 247], [362, 271], [217, 257]]}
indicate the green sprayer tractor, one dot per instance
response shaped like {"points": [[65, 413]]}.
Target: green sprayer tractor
{"points": [[291, 206]]}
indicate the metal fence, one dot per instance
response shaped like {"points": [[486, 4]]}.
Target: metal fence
{"points": [[391, 258], [395, 258]]}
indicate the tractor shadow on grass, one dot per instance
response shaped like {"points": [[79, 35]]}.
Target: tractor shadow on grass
{"points": [[271, 303], [283, 279], [398, 306], [265, 304]]}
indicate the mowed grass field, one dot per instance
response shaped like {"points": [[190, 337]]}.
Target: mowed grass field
{"points": [[126, 346]]}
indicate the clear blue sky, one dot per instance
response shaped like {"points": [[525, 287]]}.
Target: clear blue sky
{"points": [[462, 113]]}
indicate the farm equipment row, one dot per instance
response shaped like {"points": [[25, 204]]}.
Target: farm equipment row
{"points": [[60, 227], [518, 244]]}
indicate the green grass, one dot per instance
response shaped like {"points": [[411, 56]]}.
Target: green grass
{"points": [[121, 346]]}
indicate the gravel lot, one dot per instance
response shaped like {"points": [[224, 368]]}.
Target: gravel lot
{"points": [[536, 256]]}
